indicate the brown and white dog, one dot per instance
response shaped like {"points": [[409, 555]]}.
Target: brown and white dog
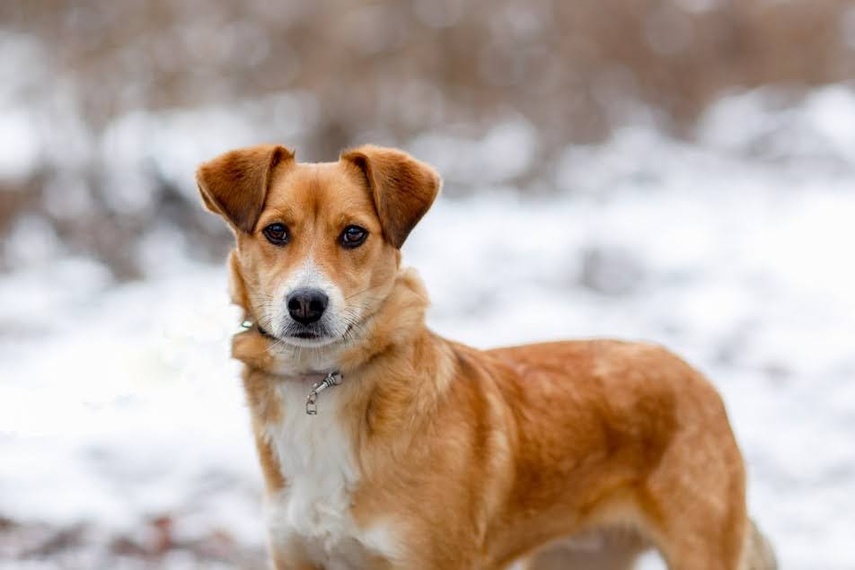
{"points": [[428, 454]]}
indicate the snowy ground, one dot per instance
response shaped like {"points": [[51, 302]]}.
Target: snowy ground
{"points": [[124, 439]]}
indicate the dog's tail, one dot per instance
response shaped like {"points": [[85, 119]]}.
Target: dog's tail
{"points": [[758, 551]]}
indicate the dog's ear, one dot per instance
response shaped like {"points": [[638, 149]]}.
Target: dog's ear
{"points": [[235, 184], [402, 187]]}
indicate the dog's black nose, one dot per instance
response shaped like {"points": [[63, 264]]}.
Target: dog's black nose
{"points": [[306, 306]]}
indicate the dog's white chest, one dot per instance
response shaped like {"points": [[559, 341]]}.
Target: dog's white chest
{"points": [[316, 457]]}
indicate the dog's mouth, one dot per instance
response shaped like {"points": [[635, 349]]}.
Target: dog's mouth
{"points": [[306, 335], [312, 336], [303, 335]]}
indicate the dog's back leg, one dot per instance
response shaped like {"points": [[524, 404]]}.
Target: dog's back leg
{"points": [[694, 503]]}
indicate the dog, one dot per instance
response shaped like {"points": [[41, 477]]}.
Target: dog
{"points": [[383, 445]]}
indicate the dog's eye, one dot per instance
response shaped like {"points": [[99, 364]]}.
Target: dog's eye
{"points": [[353, 236], [277, 234]]}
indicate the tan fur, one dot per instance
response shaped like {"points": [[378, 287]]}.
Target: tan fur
{"points": [[474, 458]]}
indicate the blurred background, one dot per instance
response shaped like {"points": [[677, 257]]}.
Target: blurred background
{"points": [[675, 170]]}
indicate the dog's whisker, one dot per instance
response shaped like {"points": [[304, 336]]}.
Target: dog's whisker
{"points": [[365, 290]]}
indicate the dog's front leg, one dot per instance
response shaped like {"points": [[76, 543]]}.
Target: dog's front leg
{"points": [[289, 555]]}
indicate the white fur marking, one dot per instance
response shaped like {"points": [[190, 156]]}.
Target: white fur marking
{"points": [[316, 459]]}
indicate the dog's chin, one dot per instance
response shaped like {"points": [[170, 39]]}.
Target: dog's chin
{"points": [[308, 340]]}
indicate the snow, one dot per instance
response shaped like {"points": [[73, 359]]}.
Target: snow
{"points": [[119, 404], [507, 151], [169, 141], [19, 150]]}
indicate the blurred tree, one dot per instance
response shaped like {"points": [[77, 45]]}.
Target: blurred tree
{"points": [[389, 71]]}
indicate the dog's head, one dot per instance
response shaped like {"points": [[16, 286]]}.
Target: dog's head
{"points": [[317, 244]]}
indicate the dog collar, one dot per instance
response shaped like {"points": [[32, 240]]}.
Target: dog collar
{"points": [[249, 324], [333, 378]]}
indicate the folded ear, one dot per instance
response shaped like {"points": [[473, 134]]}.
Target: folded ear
{"points": [[235, 184], [402, 187]]}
